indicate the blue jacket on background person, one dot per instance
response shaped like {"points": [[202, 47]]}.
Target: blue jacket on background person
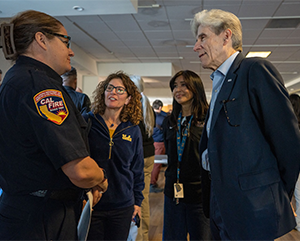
{"points": [[81, 100], [157, 131]]}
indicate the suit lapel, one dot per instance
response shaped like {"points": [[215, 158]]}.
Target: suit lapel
{"points": [[226, 88]]}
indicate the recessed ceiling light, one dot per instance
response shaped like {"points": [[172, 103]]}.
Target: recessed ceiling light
{"points": [[78, 8], [262, 54]]}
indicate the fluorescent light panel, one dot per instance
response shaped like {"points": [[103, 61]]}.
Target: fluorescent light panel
{"points": [[150, 80], [153, 58], [150, 6], [262, 54], [293, 82]]}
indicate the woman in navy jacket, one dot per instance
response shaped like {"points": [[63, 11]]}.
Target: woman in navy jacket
{"points": [[116, 145]]}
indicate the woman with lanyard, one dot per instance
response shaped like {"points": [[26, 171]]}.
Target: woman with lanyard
{"points": [[183, 212]]}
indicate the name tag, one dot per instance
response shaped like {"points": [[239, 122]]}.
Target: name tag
{"points": [[178, 190]]}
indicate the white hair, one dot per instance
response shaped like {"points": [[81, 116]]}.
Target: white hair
{"points": [[218, 21]]}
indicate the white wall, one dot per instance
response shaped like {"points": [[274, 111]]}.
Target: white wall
{"points": [[89, 84]]}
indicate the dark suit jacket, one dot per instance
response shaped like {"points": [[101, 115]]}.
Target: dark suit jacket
{"points": [[254, 152]]}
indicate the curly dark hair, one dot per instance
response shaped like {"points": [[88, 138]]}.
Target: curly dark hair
{"points": [[132, 111], [199, 105]]}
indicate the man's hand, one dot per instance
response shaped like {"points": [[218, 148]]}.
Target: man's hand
{"points": [[137, 210], [103, 185], [98, 191]]}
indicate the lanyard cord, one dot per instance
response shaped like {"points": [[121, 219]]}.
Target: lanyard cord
{"points": [[181, 141]]}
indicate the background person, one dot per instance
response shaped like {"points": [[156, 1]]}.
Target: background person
{"points": [[182, 131], [79, 90], [158, 143], [295, 100], [81, 101], [251, 144], [45, 165], [116, 144], [146, 126]]}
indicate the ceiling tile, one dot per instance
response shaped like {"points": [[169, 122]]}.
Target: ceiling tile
{"points": [[159, 34], [276, 33], [183, 11], [288, 8], [259, 8], [255, 24]]}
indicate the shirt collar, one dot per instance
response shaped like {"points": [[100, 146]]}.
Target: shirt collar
{"points": [[223, 69], [40, 66]]}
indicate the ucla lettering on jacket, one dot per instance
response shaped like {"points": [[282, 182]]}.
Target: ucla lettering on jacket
{"points": [[127, 138]]}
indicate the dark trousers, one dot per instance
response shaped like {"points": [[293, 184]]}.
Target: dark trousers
{"points": [[183, 218], [216, 223], [35, 218], [111, 225]]}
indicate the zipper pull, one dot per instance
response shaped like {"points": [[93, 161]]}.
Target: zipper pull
{"points": [[111, 143]]}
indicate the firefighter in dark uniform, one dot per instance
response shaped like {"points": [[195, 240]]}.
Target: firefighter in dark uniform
{"points": [[44, 163]]}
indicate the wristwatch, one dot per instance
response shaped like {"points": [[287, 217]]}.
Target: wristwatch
{"points": [[104, 173]]}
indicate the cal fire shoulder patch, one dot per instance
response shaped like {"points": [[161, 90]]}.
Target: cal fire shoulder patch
{"points": [[51, 105]]}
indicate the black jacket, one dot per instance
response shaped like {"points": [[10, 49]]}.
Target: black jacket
{"points": [[189, 166]]}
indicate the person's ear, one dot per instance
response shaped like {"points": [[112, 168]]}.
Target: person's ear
{"points": [[128, 100], [227, 35], [41, 40]]}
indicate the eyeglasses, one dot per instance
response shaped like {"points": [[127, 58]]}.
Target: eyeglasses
{"points": [[226, 112], [67, 43], [119, 89]]}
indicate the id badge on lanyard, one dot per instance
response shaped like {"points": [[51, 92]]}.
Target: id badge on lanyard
{"points": [[178, 187]]}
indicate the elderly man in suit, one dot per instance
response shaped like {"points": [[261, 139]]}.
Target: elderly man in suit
{"points": [[250, 147]]}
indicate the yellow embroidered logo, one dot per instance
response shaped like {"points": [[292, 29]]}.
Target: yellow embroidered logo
{"points": [[127, 138]]}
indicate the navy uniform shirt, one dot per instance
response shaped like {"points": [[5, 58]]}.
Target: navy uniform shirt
{"points": [[40, 129]]}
